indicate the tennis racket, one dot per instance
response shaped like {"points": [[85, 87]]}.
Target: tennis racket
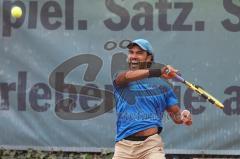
{"points": [[203, 93]]}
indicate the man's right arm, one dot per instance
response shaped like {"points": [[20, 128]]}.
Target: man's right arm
{"points": [[132, 75]]}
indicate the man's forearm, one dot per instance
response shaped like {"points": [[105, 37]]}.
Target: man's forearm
{"points": [[130, 76], [175, 114], [176, 117], [133, 75]]}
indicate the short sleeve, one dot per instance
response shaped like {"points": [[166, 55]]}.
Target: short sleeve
{"points": [[115, 76], [171, 98]]}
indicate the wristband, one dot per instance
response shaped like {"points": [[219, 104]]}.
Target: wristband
{"points": [[155, 72]]}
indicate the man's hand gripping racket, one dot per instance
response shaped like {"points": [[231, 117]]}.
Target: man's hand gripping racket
{"points": [[193, 87]]}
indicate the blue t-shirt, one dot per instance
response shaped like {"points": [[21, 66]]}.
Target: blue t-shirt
{"points": [[140, 105]]}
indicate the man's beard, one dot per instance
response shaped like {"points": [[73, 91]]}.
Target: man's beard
{"points": [[138, 65]]}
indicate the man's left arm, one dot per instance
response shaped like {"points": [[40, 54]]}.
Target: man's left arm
{"points": [[178, 116]]}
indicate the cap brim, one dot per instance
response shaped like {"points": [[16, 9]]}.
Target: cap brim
{"points": [[130, 45], [133, 43]]}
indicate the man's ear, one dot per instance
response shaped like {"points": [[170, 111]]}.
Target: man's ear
{"points": [[149, 58]]}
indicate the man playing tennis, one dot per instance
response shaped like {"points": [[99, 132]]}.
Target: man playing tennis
{"points": [[141, 98]]}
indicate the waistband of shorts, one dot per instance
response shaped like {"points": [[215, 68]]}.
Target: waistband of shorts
{"points": [[141, 138]]}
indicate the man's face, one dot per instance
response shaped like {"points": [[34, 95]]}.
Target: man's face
{"points": [[138, 58]]}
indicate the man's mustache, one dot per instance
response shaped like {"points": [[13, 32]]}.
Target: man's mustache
{"points": [[141, 64]]}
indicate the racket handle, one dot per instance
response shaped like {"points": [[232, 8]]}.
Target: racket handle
{"points": [[179, 78]]}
